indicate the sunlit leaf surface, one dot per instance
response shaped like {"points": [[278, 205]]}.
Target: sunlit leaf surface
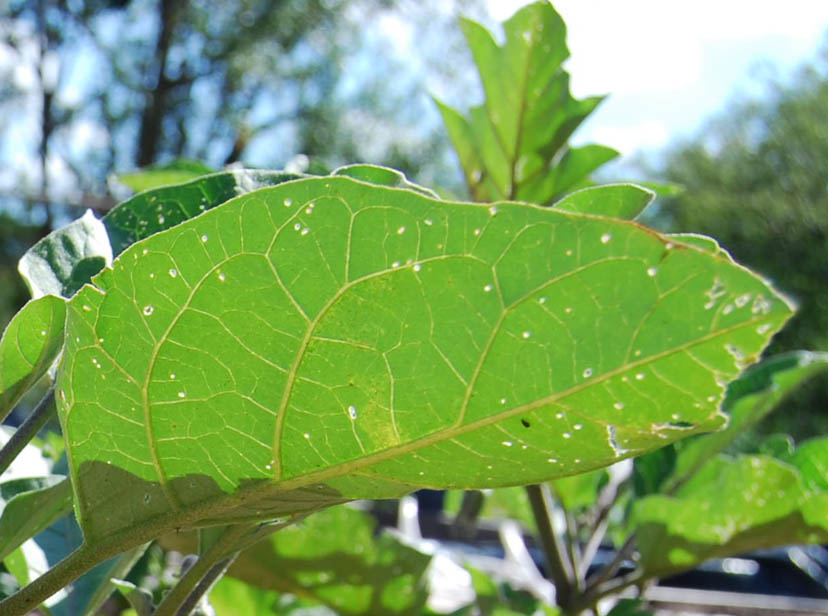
{"points": [[328, 339]]}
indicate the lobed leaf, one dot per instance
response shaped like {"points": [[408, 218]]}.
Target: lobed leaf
{"points": [[514, 145], [326, 339], [736, 505], [30, 343]]}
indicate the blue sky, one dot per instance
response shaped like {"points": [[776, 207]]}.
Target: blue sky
{"points": [[669, 65]]}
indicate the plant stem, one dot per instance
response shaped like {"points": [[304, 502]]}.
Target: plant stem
{"points": [[61, 575], [183, 595], [593, 594], [607, 572], [573, 550], [28, 430], [591, 548], [560, 569], [205, 584]]}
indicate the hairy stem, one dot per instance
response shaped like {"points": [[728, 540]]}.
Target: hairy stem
{"points": [[184, 595], [61, 575], [28, 430]]}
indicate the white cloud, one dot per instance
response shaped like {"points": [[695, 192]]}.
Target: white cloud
{"points": [[666, 66]]}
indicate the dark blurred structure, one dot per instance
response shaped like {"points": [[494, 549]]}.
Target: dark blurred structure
{"points": [[757, 180], [92, 87]]}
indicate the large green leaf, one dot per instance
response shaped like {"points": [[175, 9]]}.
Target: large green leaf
{"points": [[327, 339], [514, 145], [67, 258], [30, 344], [736, 505], [158, 209], [334, 558]]}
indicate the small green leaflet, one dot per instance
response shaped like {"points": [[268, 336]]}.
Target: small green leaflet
{"points": [[30, 343], [64, 260]]}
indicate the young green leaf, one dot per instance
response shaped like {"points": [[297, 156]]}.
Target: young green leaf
{"points": [[335, 558], [154, 210], [27, 506], [15, 563], [30, 344], [736, 505], [327, 339], [625, 201], [176, 172], [140, 599], [514, 145], [64, 260], [382, 176]]}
